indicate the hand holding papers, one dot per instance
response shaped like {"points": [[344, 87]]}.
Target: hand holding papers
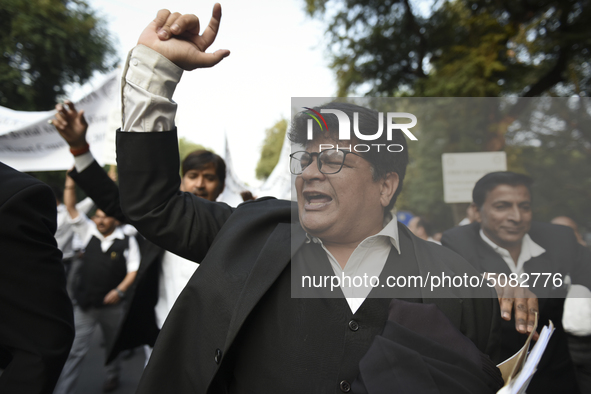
{"points": [[518, 370]]}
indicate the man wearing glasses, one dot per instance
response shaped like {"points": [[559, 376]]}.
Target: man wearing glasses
{"points": [[236, 327]]}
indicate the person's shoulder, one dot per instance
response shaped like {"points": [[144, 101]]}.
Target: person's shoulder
{"points": [[24, 198], [431, 247], [462, 231], [548, 234], [14, 182], [266, 203], [542, 227], [450, 258], [15, 179], [440, 259], [266, 209]]}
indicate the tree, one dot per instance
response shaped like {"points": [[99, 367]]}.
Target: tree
{"points": [[46, 45], [557, 155], [463, 48], [471, 48], [271, 149]]}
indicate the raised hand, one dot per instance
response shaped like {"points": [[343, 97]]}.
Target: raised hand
{"points": [[71, 124], [177, 38]]}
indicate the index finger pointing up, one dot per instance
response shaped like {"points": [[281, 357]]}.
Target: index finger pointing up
{"points": [[211, 31]]}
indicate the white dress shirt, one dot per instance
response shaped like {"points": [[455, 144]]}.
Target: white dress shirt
{"points": [[369, 258], [174, 276], [86, 229], [529, 250], [577, 311]]}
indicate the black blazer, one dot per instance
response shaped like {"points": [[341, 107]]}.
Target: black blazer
{"points": [[563, 256], [242, 252], [138, 326], [36, 320]]}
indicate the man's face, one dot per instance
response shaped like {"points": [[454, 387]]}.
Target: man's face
{"points": [[344, 207], [104, 224], [202, 182], [506, 215]]}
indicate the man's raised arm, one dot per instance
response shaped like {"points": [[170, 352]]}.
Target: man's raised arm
{"points": [[87, 173], [147, 147]]}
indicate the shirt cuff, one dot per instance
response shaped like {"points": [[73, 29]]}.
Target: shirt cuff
{"points": [[83, 161], [79, 220], [147, 86]]}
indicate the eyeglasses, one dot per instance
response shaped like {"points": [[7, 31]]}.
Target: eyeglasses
{"points": [[329, 161]]}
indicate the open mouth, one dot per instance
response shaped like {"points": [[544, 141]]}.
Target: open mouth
{"points": [[316, 199]]}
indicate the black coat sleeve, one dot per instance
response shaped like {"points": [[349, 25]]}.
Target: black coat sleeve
{"points": [[36, 321], [101, 189], [149, 182]]}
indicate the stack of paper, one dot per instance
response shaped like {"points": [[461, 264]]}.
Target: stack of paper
{"points": [[518, 370]]}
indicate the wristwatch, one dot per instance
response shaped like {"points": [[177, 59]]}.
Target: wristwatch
{"points": [[120, 293]]}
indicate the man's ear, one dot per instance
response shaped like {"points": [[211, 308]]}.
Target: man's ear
{"points": [[388, 186], [476, 211]]}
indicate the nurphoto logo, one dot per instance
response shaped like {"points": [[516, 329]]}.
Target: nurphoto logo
{"points": [[345, 129]]}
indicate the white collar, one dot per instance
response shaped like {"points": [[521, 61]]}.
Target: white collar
{"points": [[116, 234], [529, 250], [390, 231]]}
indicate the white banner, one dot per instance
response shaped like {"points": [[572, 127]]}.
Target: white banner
{"points": [[29, 143]]}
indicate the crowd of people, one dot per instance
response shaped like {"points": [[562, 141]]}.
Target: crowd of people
{"points": [[208, 290]]}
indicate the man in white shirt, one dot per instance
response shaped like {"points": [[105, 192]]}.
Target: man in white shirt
{"points": [[110, 263], [504, 240]]}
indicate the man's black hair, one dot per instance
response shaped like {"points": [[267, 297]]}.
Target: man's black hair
{"points": [[493, 179], [383, 162], [200, 159], [426, 225]]}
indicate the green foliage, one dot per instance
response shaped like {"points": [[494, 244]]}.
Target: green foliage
{"points": [[272, 145], [463, 48], [472, 48], [557, 155], [46, 45], [56, 179], [470, 64], [447, 125], [186, 147], [53, 178]]}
